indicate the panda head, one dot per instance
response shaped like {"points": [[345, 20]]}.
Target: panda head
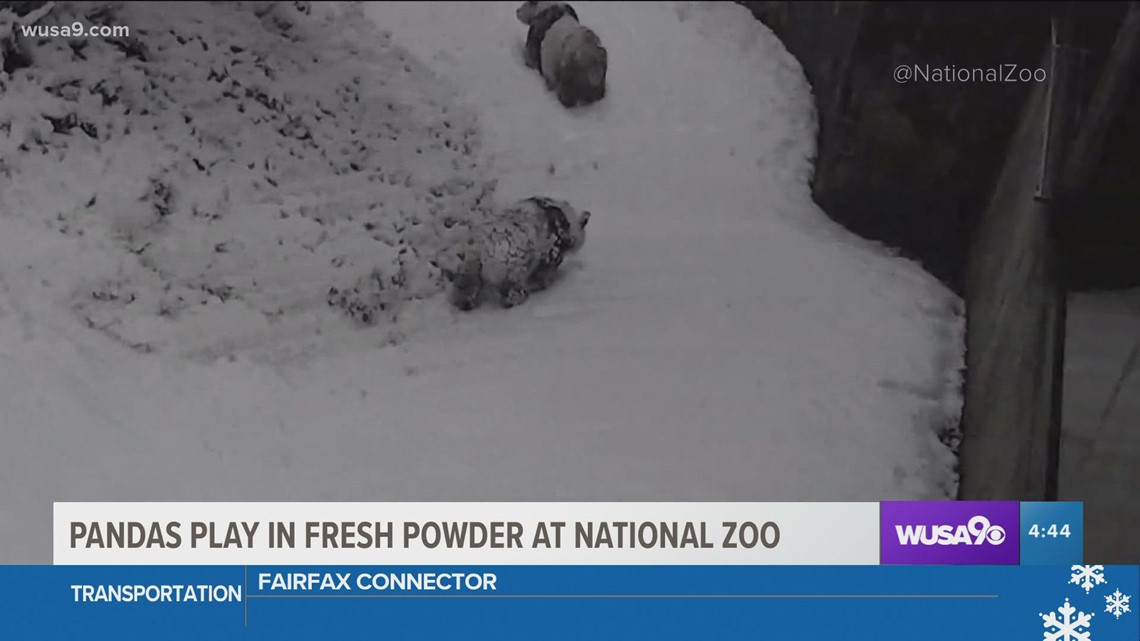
{"points": [[530, 10], [573, 241], [566, 223]]}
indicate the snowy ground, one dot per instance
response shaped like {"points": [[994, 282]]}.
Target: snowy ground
{"points": [[1100, 453], [167, 330]]}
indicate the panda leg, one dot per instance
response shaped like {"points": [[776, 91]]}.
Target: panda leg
{"points": [[566, 96], [465, 301], [532, 48], [596, 93], [468, 289], [541, 279]]}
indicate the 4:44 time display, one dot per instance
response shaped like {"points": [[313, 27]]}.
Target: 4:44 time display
{"points": [[1036, 531]]}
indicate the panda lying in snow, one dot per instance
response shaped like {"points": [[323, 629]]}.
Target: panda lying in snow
{"points": [[568, 55], [518, 253]]}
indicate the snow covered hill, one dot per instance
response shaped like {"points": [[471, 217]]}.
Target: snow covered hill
{"points": [[220, 248]]}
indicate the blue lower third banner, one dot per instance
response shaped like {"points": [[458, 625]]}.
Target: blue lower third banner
{"points": [[1053, 603]]}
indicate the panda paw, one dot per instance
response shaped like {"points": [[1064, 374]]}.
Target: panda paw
{"points": [[566, 98], [465, 300]]}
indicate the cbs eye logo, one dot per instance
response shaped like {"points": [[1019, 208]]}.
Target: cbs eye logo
{"points": [[985, 532]]}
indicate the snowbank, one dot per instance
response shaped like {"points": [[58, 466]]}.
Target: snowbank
{"points": [[244, 169]]}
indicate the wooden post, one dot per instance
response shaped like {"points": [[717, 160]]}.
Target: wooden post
{"points": [[1003, 455], [1107, 100], [1062, 99], [1010, 442], [1018, 285]]}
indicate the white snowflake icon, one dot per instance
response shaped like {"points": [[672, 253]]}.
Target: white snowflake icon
{"points": [[1117, 604], [1088, 576], [1067, 627]]}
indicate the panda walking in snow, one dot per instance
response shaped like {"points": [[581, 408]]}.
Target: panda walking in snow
{"points": [[519, 252], [569, 56]]}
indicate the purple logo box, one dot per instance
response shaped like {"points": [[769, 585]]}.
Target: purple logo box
{"points": [[950, 532]]}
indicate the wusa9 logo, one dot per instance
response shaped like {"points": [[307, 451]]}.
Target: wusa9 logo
{"points": [[978, 531], [950, 533]]}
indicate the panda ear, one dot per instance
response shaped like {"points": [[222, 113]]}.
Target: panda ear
{"points": [[526, 13], [585, 218]]}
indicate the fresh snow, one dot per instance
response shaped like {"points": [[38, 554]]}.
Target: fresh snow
{"points": [[172, 320]]}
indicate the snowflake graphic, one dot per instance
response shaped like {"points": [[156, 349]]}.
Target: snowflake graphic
{"points": [[1067, 627], [1088, 576], [1117, 604]]}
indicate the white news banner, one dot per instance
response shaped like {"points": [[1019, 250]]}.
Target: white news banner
{"points": [[466, 534]]}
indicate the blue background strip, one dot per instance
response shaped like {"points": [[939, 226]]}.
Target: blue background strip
{"points": [[599, 602]]}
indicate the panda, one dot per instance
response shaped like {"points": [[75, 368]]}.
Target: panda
{"points": [[569, 56], [518, 252], [539, 17]]}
